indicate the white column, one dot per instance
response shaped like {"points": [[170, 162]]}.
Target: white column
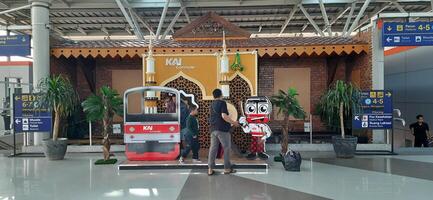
{"points": [[378, 74], [41, 48]]}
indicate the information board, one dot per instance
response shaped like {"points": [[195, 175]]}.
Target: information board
{"points": [[407, 34], [28, 117], [15, 45], [377, 110]]}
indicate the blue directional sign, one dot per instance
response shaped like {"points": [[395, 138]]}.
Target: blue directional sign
{"points": [[407, 34], [377, 110], [15, 45], [28, 117]]}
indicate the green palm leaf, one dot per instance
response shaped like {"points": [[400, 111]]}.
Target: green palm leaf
{"points": [[340, 94], [288, 105], [59, 95], [103, 107]]}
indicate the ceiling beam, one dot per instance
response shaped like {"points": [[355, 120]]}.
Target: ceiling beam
{"points": [[338, 16], [348, 19], [253, 24], [304, 27], [265, 29], [173, 21], [399, 7], [161, 21], [3, 6], [375, 12], [325, 17], [98, 4], [103, 29], [65, 3], [185, 12], [15, 9], [81, 30], [132, 24], [58, 31], [358, 17], [145, 24], [291, 14], [320, 32], [128, 30], [258, 17]]}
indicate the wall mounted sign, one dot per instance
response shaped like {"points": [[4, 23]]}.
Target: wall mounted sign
{"points": [[407, 34], [15, 45]]}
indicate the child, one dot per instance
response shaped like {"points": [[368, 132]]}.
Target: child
{"points": [[191, 136]]}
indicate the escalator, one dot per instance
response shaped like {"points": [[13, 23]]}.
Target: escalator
{"points": [[5, 146]]}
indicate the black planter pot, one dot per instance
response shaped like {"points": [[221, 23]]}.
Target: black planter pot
{"points": [[344, 147], [55, 150], [292, 161]]}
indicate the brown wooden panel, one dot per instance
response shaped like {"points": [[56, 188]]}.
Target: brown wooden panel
{"points": [[125, 79], [298, 78]]}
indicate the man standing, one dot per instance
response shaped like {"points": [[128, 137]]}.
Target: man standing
{"points": [[220, 124], [420, 130]]}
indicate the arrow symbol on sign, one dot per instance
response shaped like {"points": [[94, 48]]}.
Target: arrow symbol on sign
{"points": [[357, 118], [17, 121], [17, 98], [389, 28], [388, 39], [388, 94]]}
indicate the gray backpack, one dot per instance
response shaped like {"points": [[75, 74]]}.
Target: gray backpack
{"points": [[292, 161]]}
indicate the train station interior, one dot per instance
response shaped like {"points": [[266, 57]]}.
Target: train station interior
{"points": [[216, 99]]}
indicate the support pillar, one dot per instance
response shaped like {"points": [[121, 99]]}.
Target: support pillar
{"points": [[378, 74], [41, 48]]}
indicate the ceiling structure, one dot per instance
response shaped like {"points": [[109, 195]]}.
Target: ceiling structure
{"points": [[164, 17]]}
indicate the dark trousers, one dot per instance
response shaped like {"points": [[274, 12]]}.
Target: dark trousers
{"points": [[191, 144], [421, 142]]}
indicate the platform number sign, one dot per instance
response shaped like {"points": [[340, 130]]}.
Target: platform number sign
{"points": [[377, 110], [407, 34], [29, 116]]}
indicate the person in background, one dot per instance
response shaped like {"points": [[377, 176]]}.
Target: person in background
{"points": [[170, 104], [184, 113], [191, 136], [420, 130], [220, 124]]}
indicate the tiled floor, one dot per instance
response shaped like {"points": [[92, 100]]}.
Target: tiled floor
{"points": [[372, 177]]}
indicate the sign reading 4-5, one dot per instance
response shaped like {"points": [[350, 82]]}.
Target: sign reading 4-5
{"points": [[407, 34], [377, 110]]}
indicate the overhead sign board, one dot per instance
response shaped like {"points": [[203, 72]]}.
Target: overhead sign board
{"points": [[15, 45], [377, 110], [28, 117], [407, 34]]}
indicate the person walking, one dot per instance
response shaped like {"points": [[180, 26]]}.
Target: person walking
{"points": [[220, 124], [191, 137], [420, 130]]}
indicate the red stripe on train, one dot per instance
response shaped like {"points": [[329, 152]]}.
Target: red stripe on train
{"points": [[152, 128]]}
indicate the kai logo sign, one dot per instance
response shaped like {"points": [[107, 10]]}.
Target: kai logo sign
{"points": [[173, 61], [147, 128], [177, 63]]}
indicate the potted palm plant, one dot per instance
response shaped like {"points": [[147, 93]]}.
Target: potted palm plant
{"points": [[58, 94], [336, 105], [103, 107], [288, 105]]}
